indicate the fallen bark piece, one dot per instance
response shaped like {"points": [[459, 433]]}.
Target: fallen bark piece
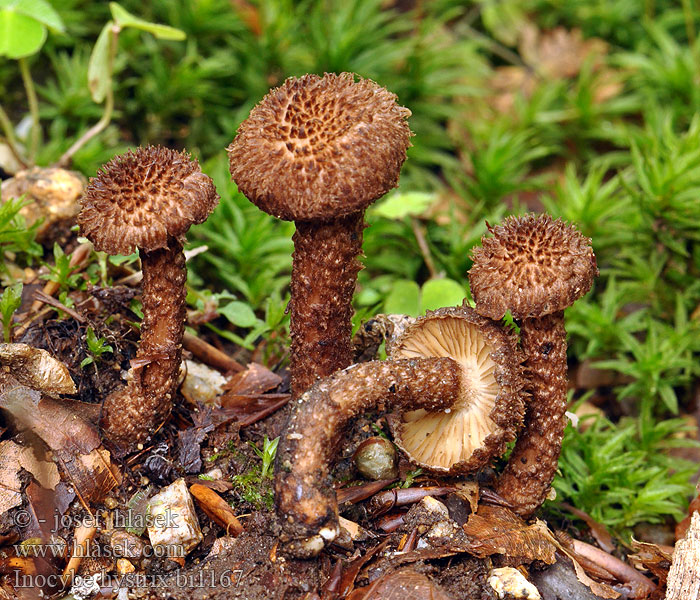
{"points": [[10, 485], [172, 522], [217, 509], [684, 576]]}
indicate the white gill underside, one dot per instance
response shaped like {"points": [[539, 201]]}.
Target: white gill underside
{"points": [[442, 439]]}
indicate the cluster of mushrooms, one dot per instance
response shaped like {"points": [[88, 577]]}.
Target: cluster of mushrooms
{"points": [[318, 151]]}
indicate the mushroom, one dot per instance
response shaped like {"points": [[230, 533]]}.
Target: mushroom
{"points": [[488, 414], [304, 494], [147, 199], [535, 267], [318, 151]]}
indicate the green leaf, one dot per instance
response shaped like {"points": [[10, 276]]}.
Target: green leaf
{"points": [[400, 205], [38, 10], [124, 18], [10, 301], [239, 313], [20, 35], [437, 293], [99, 73], [403, 299]]}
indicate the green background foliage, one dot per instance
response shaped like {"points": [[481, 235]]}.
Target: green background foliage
{"points": [[587, 109]]}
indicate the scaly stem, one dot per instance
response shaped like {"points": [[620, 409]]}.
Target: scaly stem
{"points": [[131, 414], [109, 105], [324, 272], [533, 463], [33, 108]]}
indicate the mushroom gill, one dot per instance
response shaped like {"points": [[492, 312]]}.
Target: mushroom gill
{"points": [[490, 407]]}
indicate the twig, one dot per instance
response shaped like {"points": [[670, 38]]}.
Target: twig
{"points": [[33, 108], [210, 355], [423, 245], [109, 105], [77, 259], [10, 138], [51, 301]]}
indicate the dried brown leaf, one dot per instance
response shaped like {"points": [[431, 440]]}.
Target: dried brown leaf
{"points": [[405, 584], [497, 530], [653, 557], [37, 369], [45, 472], [216, 508], [256, 379]]}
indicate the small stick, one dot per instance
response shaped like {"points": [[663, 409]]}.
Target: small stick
{"points": [[81, 546], [624, 572], [217, 509], [51, 301], [210, 355]]}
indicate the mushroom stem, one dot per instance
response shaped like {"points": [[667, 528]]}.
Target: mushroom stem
{"points": [[531, 468], [129, 415], [304, 495], [324, 272]]}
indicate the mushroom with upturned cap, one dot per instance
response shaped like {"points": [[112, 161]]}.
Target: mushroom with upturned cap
{"points": [[535, 267], [304, 494], [318, 151], [147, 199], [490, 411]]}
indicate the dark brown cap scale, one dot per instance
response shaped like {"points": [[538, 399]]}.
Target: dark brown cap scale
{"points": [[476, 428], [147, 199], [143, 197], [320, 147], [533, 266]]}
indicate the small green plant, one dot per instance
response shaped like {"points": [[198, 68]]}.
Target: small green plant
{"points": [[267, 455], [10, 301], [255, 485], [608, 471], [15, 237], [24, 26], [97, 346]]}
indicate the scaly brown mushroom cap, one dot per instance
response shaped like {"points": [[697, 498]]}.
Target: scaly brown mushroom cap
{"points": [[490, 410], [143, 197], [316, 148], [532, 265]]}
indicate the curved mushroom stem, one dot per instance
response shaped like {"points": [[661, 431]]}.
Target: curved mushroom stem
{"points": [[324, 273], [131, 414], [531, 467], [304, 495]]}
